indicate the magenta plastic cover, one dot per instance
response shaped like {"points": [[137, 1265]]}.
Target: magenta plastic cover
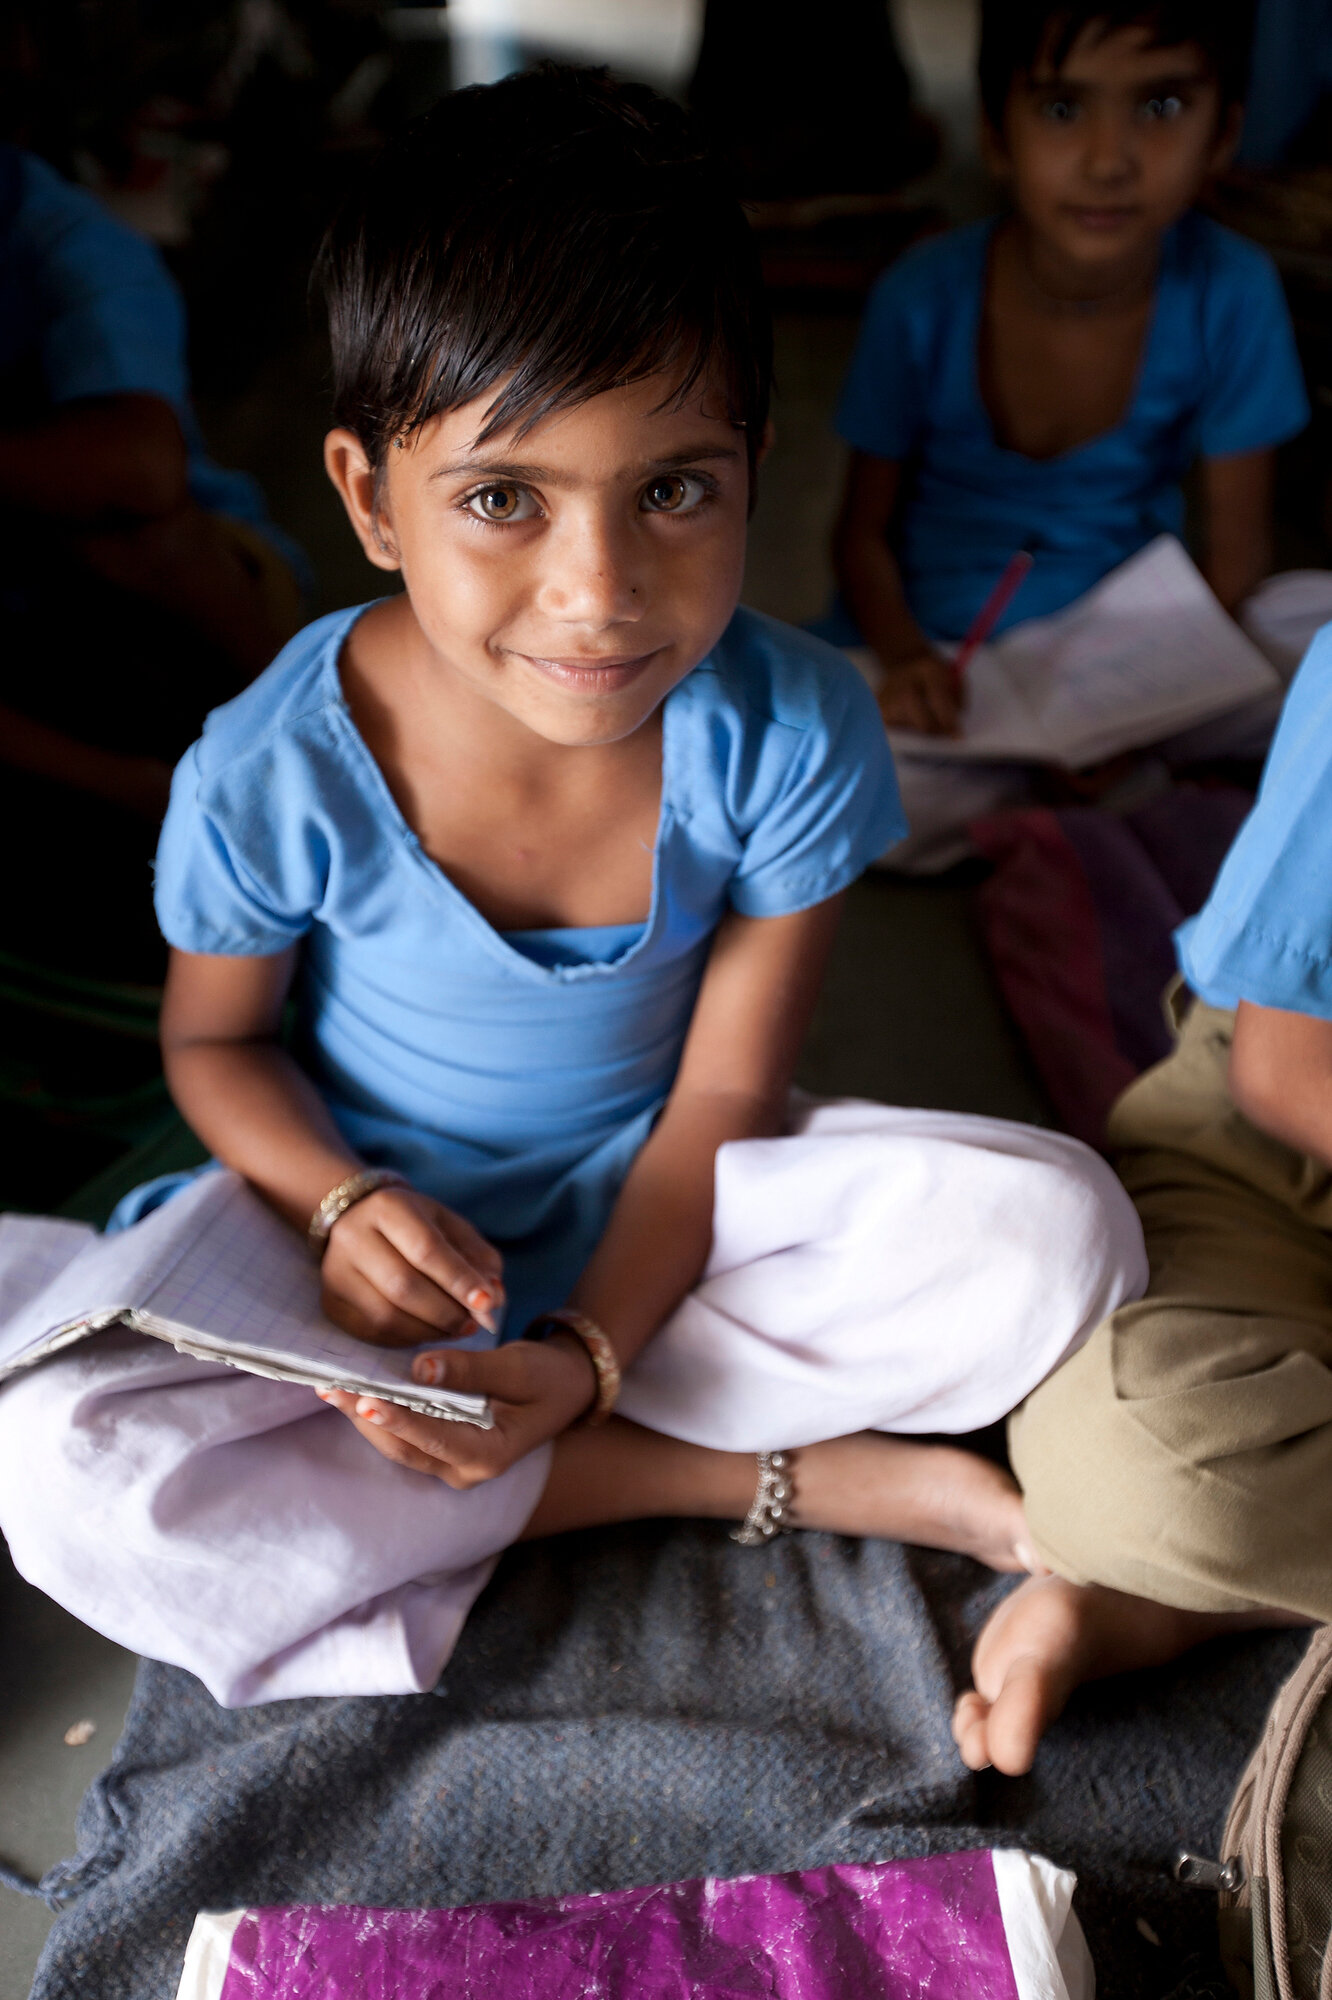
{"points": [[930, 1930]]}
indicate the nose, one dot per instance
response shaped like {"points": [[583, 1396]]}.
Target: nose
{"points": [[1109, 156], [593, 572]]}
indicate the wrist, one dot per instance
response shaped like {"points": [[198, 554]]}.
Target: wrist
{"points": [[565, 1323], [343, 1195]]}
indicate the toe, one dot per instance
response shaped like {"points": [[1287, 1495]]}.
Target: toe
{"points": [[970, 1718], [1018, 1716]]}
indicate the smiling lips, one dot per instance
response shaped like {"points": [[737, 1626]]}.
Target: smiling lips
{"points": [[1106, 218], [593, 676]]}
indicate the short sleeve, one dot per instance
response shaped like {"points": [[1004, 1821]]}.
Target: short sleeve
{"points": [[233, 877], [836, 811], [1265, 932], [1254, 394], [879, 411], [111, 319]]}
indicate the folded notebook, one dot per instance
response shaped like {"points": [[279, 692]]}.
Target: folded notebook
{"points": [[1147, 653], [993, 1924], [215, 1273]]}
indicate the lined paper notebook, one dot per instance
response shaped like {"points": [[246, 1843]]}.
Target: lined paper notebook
{"points": [[215, 1273], [1148, 652]]}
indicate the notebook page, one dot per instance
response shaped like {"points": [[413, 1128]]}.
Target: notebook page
{"points": [[111, 1273], [1148, 652], [34, 1250], [219, 1267], [249, 1290]]}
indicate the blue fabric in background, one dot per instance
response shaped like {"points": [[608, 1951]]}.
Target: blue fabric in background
{"points": [[649, 1703], [1265, 932], [1219, 375]]}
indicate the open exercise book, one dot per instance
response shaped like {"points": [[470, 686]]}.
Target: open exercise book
{"points": [[1146, 653], [215, 1273]]}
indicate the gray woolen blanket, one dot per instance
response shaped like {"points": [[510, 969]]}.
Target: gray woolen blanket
{"points": [[642, 1704]]}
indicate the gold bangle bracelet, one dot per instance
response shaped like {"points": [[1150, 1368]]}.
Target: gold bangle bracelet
{"points": [[566, 1319], [366, 1180]]}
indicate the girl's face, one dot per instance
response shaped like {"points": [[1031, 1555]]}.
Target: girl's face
{"points": [[1103, 155], [571, 576]]}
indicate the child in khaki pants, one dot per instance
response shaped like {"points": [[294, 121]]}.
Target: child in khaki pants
{"points": [[1177, 1471]]}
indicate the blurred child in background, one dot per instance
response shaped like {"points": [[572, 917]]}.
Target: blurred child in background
{"points": [[141, 584], [1046, 380]]}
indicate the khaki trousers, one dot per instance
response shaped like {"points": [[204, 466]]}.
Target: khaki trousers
{"points": [[1185, 1453]]}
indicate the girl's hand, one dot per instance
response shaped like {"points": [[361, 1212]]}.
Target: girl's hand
{"points": [[536, 1390], [400, 1269], [919, 694]]}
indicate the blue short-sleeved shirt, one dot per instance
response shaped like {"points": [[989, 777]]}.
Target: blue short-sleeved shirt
{"points": [[87, 308], [1265, 932], [514, 1076], [1219, 375]]}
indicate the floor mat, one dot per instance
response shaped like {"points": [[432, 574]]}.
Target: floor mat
{"points": [[648, 1703]]}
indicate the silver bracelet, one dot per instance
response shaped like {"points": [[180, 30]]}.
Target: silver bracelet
{"points": [[768, 1509], [366, 1180]]}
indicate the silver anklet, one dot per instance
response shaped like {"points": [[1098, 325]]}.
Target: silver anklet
{"points": [[767, 1511]]}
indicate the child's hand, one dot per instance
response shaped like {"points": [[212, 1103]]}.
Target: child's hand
{"points": [[400, 1269], [536, 1390], [919, 694]]}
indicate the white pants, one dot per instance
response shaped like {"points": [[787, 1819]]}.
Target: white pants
{"points": [[940, 799], [885, 1269]]}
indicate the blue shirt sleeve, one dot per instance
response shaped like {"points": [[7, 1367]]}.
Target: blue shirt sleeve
{"points": [[240, 871], [835, 812], [1265, 932], [112, 321], [882, 400], [1254, 393]]}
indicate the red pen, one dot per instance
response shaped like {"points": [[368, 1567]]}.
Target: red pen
{"points": [[989, 614]]}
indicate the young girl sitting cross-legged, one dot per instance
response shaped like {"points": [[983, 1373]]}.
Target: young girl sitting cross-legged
{"points": [[547, 850]]}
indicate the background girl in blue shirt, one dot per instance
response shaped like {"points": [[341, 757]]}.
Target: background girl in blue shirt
{"points": [[547, 849], [1045, 381]]}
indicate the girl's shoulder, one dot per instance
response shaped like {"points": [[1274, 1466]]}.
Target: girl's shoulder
{"points": [[765, 674], [929, 277], [1228, 271], [287, 713], [773, 707], [787, 762]]}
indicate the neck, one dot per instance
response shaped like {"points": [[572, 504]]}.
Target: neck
{"points": [[1063, 287]]}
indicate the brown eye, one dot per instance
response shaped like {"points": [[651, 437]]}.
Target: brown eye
{"points": [[500, 503], [673, 493]]}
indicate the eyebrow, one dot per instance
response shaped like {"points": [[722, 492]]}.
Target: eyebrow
{"points": [[545, 475]]}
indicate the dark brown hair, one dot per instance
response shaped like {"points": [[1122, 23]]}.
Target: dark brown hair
{"points": [[1017, 34], [559, 229]]}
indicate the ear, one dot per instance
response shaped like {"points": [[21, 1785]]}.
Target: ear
{"points": [[360, 490], [766, 443], [1228, 136]]}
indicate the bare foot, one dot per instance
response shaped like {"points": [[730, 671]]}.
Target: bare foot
{"points": [[932, 1494], [1050, 1636]]}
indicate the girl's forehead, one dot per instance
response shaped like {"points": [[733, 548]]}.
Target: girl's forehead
{"points": [[1128, 54], [624, 421]]}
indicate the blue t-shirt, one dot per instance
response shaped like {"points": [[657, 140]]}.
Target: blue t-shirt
{"points": [[1265, 932], [1219, 375], [87, 308], [514, 1077]]}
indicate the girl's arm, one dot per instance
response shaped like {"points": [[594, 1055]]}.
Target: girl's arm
{"points": [[1237, 523], [917, 692], [399, 1268], [758, 992], [753, 1009]]}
